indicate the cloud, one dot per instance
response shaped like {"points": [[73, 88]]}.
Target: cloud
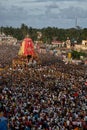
{"points": [[50, 0], [42, 12], [13, 12], [73, 12], [53, 7], [55, 10]]}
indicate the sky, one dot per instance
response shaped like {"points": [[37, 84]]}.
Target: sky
{"points": [[43, 13]]}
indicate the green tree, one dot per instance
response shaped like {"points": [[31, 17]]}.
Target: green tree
{"points": [[24, 30], [76, 54]]}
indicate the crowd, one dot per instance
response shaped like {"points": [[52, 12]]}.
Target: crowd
{"points": [[7, 53], [48, 96]]}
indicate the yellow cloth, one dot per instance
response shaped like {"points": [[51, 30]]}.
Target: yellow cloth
{"points": [[21, 50], [76, 128]]}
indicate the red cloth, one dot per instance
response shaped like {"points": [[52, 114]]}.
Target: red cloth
{"points": [[76, 94], [28, 47], [86, 83]]}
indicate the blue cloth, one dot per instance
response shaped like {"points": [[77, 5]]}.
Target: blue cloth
{"points": [[27, 128], [3, 123]]}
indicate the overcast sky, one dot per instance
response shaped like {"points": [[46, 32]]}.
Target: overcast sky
{"points": [[43, 13]]}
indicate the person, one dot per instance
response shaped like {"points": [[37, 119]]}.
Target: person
{"points": [[3, 122], [27, 48]]}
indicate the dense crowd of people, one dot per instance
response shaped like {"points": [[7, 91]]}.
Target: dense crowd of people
{"points": [[7, 53], [47, 96]]}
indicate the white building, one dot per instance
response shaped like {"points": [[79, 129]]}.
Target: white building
{"points": [[83, 46], [58, 44], [7, 40]]}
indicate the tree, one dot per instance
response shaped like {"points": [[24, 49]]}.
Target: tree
{"points": [[24, 30], [76, 55]]}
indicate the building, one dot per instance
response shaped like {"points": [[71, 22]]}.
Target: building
{"points": [[7, 40], [58, 44], [83, 46]]}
